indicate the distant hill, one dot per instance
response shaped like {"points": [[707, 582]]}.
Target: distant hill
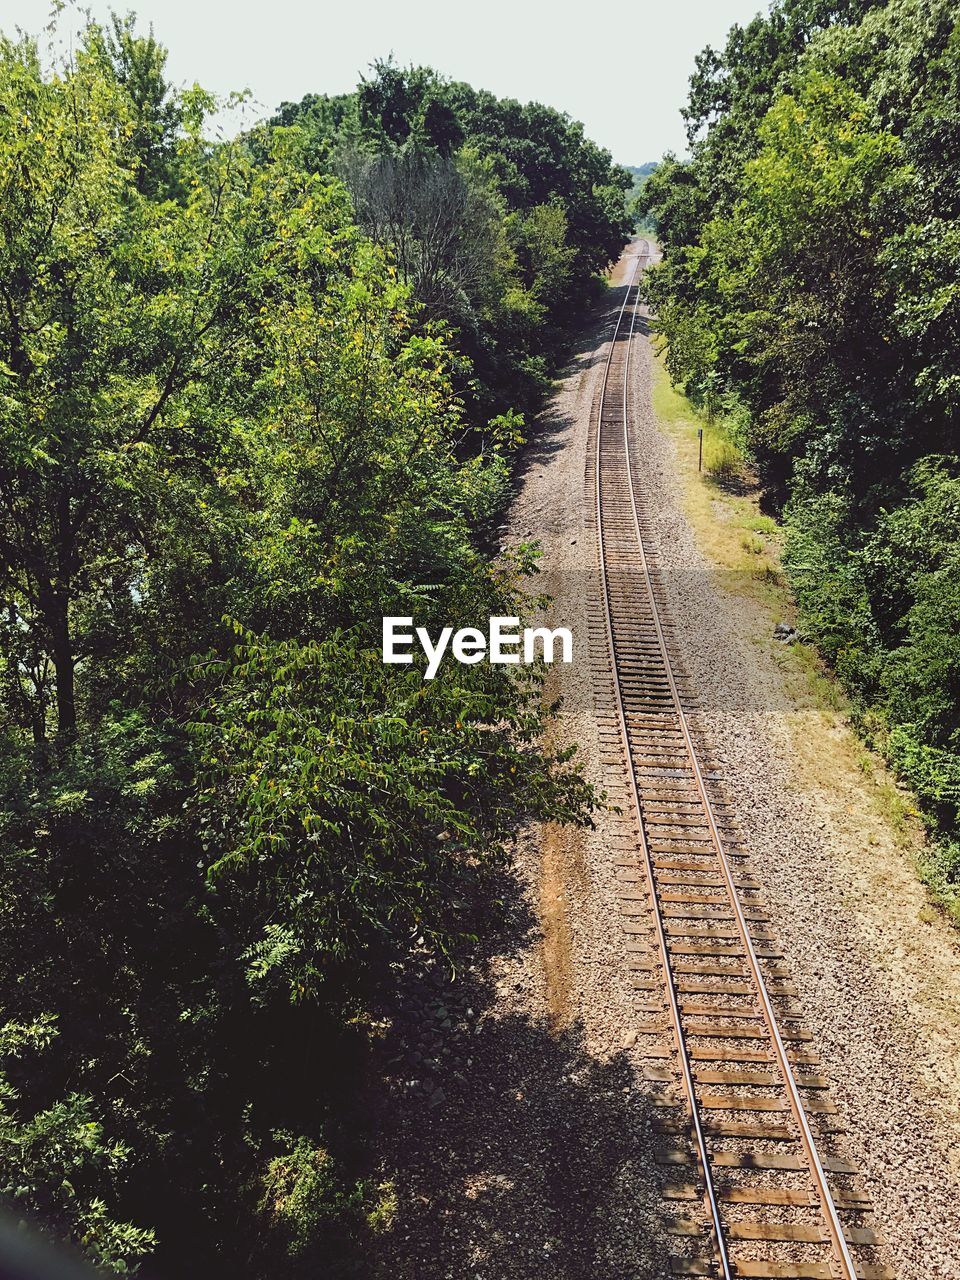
{"points": [[640, 174]]}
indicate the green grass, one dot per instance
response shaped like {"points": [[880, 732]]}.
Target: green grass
{"points": [[720, 498], [762, 524], [723, 462]]}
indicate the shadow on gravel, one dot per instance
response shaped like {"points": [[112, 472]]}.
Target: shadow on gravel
{"points": [[516, 1154], [545, 441], [545, 438]]}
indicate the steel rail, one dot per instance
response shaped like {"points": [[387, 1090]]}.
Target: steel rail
{"points": [[685, 1067], [834, 1225]]}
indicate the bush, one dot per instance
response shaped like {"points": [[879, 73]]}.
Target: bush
{"points": [[56, 1164]]}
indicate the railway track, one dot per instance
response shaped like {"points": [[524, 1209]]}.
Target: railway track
{"points": [[754, 1180]]}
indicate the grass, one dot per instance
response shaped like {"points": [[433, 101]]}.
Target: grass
{"points": [[721, 500], [723, 462], [721, 503]]}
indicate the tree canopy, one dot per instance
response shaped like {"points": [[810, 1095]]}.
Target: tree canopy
{"points": [[256, 394], [502, 213]]}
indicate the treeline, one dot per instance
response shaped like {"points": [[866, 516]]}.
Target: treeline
{"points": [[498, 215], [636, 207], [810, 286], [246, 411]]}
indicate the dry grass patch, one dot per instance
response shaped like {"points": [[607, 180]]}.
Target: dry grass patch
{"points": [[721, 500]]}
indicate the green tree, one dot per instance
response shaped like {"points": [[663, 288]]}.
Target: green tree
{"points": [[447, 177], [222, 400], [115, 305], [54, 1163], [157, 114]]}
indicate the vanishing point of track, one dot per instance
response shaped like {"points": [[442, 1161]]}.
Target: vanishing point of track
{"points": [[751, 1168]]}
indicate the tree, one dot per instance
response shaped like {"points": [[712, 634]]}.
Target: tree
{"points": [[53, 1164], [447, 177], [113, 304], [231, 440], [443, 222], [157, 114]]}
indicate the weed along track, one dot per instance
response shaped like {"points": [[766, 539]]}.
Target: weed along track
{"points": [[755, 1182]]}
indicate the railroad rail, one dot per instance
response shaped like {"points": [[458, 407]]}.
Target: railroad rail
{"points": [[752, 1170]]}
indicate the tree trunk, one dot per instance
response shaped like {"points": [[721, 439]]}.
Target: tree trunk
{"points": [[54, 590], [61, 650], [62, 641]]}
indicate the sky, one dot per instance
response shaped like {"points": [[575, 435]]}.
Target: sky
{"points": [[620, 67]]}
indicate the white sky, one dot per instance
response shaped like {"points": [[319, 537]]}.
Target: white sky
{"points": [[620, 67]]}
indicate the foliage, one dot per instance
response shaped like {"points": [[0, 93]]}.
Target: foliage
{"points": [[312, 1216], [354, 817], [236, 429], [813, 252], [498, 214], [640, 175], [50, 1160], [300, 1191]]}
